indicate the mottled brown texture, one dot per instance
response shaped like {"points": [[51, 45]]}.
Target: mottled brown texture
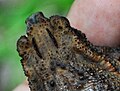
{"points": [[57, 57]]}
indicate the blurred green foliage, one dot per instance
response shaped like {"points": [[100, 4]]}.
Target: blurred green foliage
{"points": [[12, 16]]}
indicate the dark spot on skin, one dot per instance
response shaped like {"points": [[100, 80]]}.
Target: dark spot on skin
{"points": [[53, 65], [57, 63], [24, 53], [31, 28], [63, 66], [65, 83], [52, 83], [41, 69], [60, 27]]}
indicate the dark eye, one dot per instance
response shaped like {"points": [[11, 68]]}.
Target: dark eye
{"points": [[52, 83]]}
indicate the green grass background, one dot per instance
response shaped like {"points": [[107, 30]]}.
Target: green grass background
{"points": [[12, 17]]}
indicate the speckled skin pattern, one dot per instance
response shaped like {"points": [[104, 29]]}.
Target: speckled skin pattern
{"points": [[57, 57]]}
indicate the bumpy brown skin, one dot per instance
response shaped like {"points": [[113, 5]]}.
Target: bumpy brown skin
{"points": [[57, 57]]}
